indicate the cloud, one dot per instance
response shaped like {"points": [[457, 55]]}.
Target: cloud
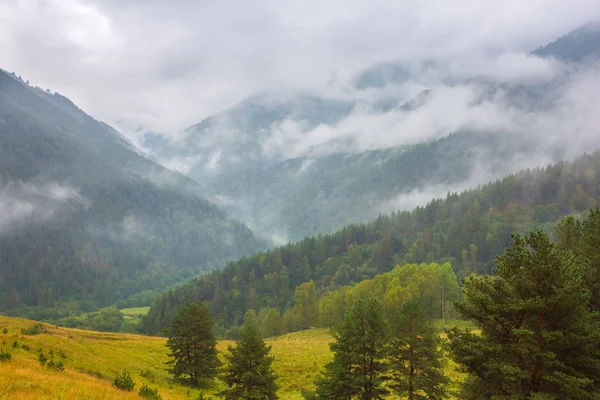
{"points": [[166, 65], [547, 100], [24, 203]]}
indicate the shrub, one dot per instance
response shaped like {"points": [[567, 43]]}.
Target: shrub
{"points": [[147, 374], [5, 330], [34, 330], [124, 381], [42, 359], [5, 356], [56, 365], [149, 393]]}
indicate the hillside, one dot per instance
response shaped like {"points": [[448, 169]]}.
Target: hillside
{"points": [[88, 219], [296, 164], [468, 230], [578, 45], [93, 359]]}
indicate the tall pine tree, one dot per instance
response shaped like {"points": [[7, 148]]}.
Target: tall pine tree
{"points": [[248, 374], [358, 367], [193, 345], [416, 371], [539, 339]]}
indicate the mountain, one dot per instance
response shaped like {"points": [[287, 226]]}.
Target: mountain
{"points": [[297, 164], [87, 218], [468, 230], [233, 140], [578, 45]]}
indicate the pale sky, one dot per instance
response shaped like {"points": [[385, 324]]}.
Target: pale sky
{"points": [[168, 64]]}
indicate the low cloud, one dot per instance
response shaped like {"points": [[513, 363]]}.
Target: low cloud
{"points": [[30, 203]]}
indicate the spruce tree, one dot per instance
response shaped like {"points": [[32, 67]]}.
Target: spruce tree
{"points": [[193, 345], [539, 339], [339, 381], [416, 371], [248, 373], [358, 367]]}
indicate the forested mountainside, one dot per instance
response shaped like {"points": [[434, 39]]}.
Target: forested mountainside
{"points": [[85, 217], [576, 46], [302, 197], [467, 230], [292, 164]]}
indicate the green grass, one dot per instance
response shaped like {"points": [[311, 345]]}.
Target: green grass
{"points": [[93, 359], [134, 313]]}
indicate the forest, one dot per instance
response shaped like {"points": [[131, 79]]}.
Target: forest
{"points": [[87, 220], [467, 230]]}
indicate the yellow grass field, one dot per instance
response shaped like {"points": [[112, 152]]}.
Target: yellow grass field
{"points": [[92, 360]]}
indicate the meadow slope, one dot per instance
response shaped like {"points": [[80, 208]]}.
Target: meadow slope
{"points": [[93, 359]]}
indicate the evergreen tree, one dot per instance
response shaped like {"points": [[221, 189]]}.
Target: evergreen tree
{"points": [[338, 381], [587, 248], [192, 344], [539, 339], [358, 368], [414, 356], [248, 374]]}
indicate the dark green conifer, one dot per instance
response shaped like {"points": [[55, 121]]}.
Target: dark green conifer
{"points": [[248, 373], [358, 367], [539, 339], [193, 345], [415, 357]]}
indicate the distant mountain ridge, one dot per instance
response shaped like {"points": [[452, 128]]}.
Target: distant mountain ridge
{"points": [[86, 217], [578, 45], [249, 155]]}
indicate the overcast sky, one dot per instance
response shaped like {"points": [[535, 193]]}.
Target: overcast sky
{"points": [[168, 64]]}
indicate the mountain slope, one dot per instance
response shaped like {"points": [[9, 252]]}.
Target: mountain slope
{"points": [[93, 359], [576, 46], [468, 230], [86, 217], [296, 164]]}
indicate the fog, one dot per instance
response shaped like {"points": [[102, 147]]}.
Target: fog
{"points": [[26, 203]]}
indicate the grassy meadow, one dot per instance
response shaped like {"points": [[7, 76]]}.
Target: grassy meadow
{"points": [[93, 359]]}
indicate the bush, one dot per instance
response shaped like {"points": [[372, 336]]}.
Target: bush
{"points": [[56, 365], [147, 374], [42, 359], [5, 356], [202, 396], [34, 330], [149, 393], [124, 381]]}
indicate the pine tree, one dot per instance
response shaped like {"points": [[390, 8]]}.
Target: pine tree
{"points": [[358, 367], [192, 344], [338, 381], [539, 339], [414, 356], [248, 373]]}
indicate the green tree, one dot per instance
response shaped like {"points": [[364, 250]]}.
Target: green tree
{"points": [[358, 367], [539, 339], [271, 325], [192, 344], [416, 371], [306, 309], [248, 373]]}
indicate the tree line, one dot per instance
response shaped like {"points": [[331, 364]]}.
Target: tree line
{"points": [[536, 336], [468, 230]]}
